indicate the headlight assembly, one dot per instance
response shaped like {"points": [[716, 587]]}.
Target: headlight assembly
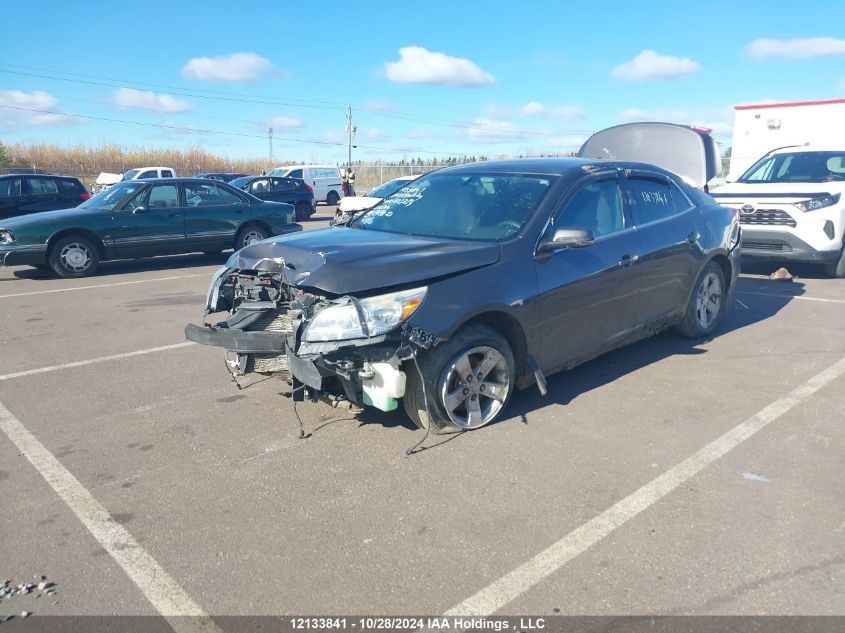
{"points": [[6, 237], [211, 304], [370, 317], [818, 203]]}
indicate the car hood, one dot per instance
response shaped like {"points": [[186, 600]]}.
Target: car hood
{"points": [[786, 191], [42, 217], [344, 260], [358, 203]]}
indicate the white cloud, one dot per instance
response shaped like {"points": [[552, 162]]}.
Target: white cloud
{"points": [[285, 123], [419, 65], [371, 135], [492, 131], [564, 112], [423, 133], [841, 86], [237, 68], [12, 119], [800, 48], [148, 100], [651, 66]]}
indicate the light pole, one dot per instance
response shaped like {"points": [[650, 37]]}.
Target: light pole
{"points": [[270, 139], [350, 129]]}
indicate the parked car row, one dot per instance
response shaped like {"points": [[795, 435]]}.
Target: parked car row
{"points": [[140, 218]]}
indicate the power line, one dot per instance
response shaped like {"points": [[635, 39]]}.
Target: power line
{"points": [[254, 99], [223, 132]]}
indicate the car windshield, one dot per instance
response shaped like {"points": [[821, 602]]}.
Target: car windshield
{"points": [[240, 182], [129, 175], [797, 167], [113, 196], [474, 206], [388, 188]]}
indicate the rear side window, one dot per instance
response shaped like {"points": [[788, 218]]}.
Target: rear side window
{"points": [[166, 173], [10, 187], [229, 197], [149, 174], [197, 195], [651, 199], [296, 173], [70, 187], [41, 185], [283, 184]]}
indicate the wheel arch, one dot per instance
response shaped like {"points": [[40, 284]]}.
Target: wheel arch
{"points": [[88, 233], [727, 268], [511, 329], [259, 223]]}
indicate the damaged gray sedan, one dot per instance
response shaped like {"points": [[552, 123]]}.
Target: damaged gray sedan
{"points": [[475, 280]]}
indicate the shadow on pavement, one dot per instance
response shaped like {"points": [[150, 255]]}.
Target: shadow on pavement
{"points": [[564, 387], [169, 263]]}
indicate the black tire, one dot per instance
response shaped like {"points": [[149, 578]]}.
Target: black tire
{"points": [[303, 211], [836, 269], [700, 320], [249, 234], [438, 373], [332, 199], [74, 256]]}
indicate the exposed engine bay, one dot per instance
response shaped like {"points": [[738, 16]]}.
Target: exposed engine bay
{"points": [[354, 356]]}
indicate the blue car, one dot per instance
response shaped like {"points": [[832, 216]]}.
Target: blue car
{"points": [[279, 189]]}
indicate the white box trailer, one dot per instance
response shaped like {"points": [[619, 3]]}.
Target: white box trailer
{"points": [[760, 128]]}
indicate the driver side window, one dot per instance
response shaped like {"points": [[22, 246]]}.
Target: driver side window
{"points": [[596, 207]]}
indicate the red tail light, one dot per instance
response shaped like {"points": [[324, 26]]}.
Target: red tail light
{"points": [[307, 186], [84, 195]]}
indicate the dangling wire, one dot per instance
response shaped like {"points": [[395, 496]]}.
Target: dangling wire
{"points": [[302, 435], [412, 449]]}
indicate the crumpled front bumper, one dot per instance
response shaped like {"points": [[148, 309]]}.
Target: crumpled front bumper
{"points": [[237, 340]]}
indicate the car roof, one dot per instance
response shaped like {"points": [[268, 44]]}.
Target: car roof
{"points": [[525, 165], [177, 179], [42, 174]]}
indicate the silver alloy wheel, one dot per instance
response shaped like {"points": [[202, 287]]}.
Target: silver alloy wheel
{"points": [[474, 386], [708, 300], [251, 237], [75, 257]]}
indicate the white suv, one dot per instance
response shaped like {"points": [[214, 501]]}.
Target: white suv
{"points": [[791, 206]]}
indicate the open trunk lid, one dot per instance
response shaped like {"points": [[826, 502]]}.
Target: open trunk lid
{"points": [[690, 153]]}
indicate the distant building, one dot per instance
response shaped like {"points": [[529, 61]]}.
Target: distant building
{"points": [[760, 128]]}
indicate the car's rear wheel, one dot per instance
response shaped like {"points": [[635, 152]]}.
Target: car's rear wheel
{"points": [[74, 256], [836, 268], [332, 199], [250, 235], [303, 211], [465, 384], [706, 304]]}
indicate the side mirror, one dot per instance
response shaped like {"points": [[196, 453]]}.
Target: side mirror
{"points": [[567, 238], [139, 210]]}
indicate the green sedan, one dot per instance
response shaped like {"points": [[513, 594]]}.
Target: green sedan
{"points": [[141, 218]]}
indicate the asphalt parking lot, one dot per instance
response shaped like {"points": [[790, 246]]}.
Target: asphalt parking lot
{"points": [[664, 478]]}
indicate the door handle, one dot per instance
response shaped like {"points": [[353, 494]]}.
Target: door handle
{"points": [[693, 237], [628, 260]]}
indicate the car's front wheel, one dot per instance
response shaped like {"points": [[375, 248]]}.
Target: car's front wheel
{"points": [[74, 256], [332, 199], [465, 383], [706, 304], [249, 235]]}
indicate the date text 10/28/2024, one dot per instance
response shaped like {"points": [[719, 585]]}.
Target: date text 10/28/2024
{"points": [[404, 623]]}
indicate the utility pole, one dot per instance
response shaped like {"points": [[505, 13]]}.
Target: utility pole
{"points": [[350, 129], [270, 139]]}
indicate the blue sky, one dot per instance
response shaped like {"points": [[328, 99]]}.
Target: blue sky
{"points": [[424, 79]]}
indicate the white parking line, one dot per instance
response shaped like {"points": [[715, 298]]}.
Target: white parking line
{"points": [[117, 283], [788, 296], [92, 361], [163, 592], [515, 583]]}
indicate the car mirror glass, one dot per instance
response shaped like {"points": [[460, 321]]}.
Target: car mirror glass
{"points": [[568, 238]]}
